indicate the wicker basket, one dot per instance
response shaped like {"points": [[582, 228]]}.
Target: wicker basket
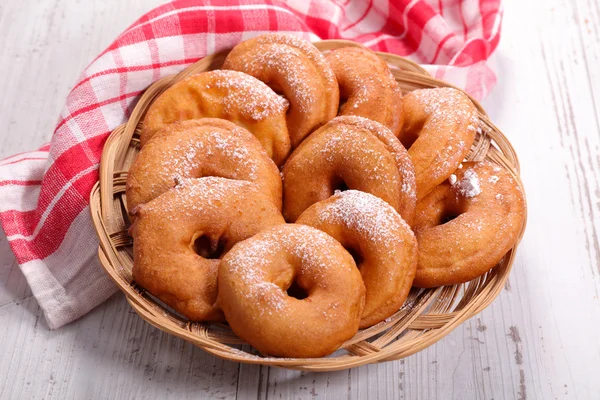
{"points": [[427, 316]]}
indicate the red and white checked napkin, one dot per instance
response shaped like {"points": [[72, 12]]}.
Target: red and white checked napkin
{"points": [[44, 194]]}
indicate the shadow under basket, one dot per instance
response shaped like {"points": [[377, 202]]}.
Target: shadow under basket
{"points": [[427, 315]]}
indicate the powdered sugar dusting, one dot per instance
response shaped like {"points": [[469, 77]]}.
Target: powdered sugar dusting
{"points": [[230, 148], [362, 212], [446, 104], [336, 145], [367, 78], [468, 186], [296, 61], [383, 134], [189, 154], [448, 109], [408, 188], [192, 196], [193, 149], [309, 250], [309, 246], [180, 160], [306, 47], [246, 95], [287, 60]]}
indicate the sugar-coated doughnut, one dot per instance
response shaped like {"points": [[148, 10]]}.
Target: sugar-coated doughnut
{"points": [[467, 224], [383, 244], [439, 128], [179, 236], [340, 156], [295, 68], [199, 148], [291, 291], [367, 87], [229, 95]]}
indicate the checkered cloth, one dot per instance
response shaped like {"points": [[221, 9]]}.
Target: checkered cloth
{"points": [[44, 194]]}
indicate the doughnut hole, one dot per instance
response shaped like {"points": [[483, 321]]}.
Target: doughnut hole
{"points": [[411, 130], [214, 172], [352, 243], [340, 185], [344, 95], [356, 255], [208, 247], [276, 86], [296, 291], [453, 210], [443, 209], [290, 282], [339, 157]]}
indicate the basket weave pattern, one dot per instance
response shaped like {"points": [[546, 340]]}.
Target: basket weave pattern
{"points": [[428, 314]]}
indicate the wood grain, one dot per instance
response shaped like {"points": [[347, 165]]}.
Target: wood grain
{"points": [[537, 340]]}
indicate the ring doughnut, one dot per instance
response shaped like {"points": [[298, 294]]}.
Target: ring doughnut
{"points": [[439, 128], [367, 86], [229, 95], [179, 236], [485, 210], [199, 148], [291, 291], [341, 156], [295, 68], [408, 185], [384, 246]]}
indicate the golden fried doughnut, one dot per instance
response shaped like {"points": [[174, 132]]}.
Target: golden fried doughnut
{"points": [[367, 87], [485, 210], [339, 156], [384, 246], [199, 148], [439, 129], [295, 68], [408, 186], [179, 236], [291, 291], [230, 95]]}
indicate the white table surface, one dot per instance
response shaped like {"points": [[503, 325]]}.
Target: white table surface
{"points": [[539, 339]]}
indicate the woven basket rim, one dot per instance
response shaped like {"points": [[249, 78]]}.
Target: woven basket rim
{"points": [[427, 316]]}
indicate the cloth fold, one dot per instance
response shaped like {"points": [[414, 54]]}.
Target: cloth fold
{"points": [[44, 194]]}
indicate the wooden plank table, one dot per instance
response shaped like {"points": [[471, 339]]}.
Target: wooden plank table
{"points": [[539, 339]]}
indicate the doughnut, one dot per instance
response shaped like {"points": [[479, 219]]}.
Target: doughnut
{"points": [[344, 155], [383, 244], [291, 291], [467, 224], [408, 185], [295, 68], [199, 148], [367, 87], [229, 95], [179, 237], [439, 128]]}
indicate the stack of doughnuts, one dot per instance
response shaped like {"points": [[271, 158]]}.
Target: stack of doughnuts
{"points": [[299, 197]]}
